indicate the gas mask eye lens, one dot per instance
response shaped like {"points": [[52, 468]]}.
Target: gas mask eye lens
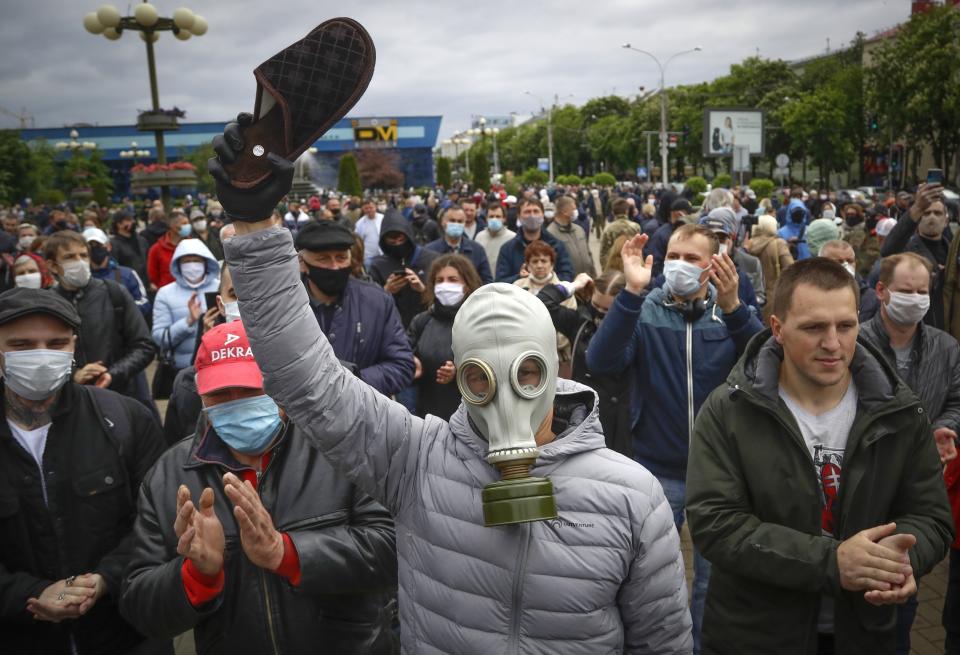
{"points": [[477, 382], [528, 375]]}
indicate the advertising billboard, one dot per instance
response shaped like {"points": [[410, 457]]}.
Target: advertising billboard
{"points": [[726, 128]]}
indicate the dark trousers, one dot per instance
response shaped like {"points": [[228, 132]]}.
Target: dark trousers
{"points": [[951, 606], [824, 644], [906, 614]]}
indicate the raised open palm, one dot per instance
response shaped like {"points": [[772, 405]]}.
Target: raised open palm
{"points": [[637, 269]]}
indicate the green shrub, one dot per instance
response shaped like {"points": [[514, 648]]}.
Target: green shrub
{"points": [[695, 184], [762, 187], [533, 176], [444, 178], [604, 179], [722, 180], [348, 178], [569, 180]]}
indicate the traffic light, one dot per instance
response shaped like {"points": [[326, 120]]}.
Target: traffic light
{"points": [[874, 123], [686, 132]]}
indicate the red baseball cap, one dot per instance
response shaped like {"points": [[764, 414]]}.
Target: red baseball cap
{"points": [[224, 359]]}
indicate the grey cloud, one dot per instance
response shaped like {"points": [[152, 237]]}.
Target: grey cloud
{"points": [[448, 57]]}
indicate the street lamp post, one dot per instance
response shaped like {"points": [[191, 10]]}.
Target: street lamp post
{"points": [[134, 152], [73, 145], [663, 103], [184, 23], [483, 131]]}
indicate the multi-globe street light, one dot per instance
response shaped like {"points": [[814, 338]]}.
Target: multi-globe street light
{"points": [[147, 21], [73, 144]]}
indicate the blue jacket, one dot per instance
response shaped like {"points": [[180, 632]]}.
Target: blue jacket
{"points": [[368, 337], [469, 249], [511, 257], [170, 305], [129, 280], [791, 230], [677, 364]]}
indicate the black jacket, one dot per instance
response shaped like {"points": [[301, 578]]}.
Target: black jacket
{"points": [[131, 252], [112, 331], [344, 540], [934, 369], [418, 259], [425, 230], [152, 233], [613, 390], [431, 337], [99, 447], [183, 408]]}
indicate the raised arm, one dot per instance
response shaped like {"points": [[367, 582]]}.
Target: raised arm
{"points": [[371, 439]]}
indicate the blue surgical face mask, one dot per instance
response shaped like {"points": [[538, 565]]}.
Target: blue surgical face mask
{"points": [[248, 425], [495, 224], [454, 230], [682, 278], [185, 230]]}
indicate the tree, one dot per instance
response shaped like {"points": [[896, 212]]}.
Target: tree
{"points": [[444, 179], [84, 175], [479, 169], [379, 169], [722, 181], [348, 177], [198, 158], [762, 187], [15, 166], [604, 179], [913, 83]]}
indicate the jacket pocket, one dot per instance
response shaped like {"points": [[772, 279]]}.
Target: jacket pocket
{"points": [[101, 503]]}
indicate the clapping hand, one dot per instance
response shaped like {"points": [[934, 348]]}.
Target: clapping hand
{"points": [[199, 531]]}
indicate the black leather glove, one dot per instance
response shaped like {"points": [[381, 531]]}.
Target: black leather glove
{"points": [[248, 205]]}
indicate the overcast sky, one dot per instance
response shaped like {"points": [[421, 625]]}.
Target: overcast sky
{"points": [[454, 58]]}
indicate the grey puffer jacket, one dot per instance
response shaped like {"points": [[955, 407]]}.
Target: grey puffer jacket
{"points": [[605, 577]]}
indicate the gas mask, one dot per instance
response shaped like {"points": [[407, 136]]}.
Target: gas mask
{"points": [[505, 349]]}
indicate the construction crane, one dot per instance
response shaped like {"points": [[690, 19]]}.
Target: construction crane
{"points": [[26, 120]]}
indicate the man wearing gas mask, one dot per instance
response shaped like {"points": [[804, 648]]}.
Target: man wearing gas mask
{"points": [[682, 340], [71, 460], [477, 574]]}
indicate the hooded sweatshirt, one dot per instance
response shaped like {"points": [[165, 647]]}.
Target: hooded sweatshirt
{"points": [[170, 308], [796, 231], [409, 302]]}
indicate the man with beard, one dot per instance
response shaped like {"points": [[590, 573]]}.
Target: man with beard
{"points": [[922, 230]]}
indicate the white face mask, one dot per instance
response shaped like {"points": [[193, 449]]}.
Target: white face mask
{"points": [[848, 267], [448, 294], [200, 225], [37, 374], [682, 278], [28, 280], [193, 272], [907, 308], [575, 215], [232, 310], [26, 242], [76, 273], [548, 214]]}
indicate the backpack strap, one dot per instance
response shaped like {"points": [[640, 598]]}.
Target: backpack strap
{"points": [[115, 419]]}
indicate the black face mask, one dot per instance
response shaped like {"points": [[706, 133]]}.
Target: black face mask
{"points": [[401, 251], [331, 281], [98, 255], [852, 219]]}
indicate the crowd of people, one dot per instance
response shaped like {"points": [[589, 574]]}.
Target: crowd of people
{"points": [[781, 373]]}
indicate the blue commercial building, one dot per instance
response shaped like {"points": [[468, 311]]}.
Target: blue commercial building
{"points": [[408, 141]]}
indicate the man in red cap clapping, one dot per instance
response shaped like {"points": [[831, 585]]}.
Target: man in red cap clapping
{"points": [[245, 533]]}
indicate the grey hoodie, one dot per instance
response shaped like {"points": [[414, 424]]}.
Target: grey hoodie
{"points": [[605, 577]]}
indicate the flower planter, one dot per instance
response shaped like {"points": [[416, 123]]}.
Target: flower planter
{"points": [[145, 180], [154, 122]]}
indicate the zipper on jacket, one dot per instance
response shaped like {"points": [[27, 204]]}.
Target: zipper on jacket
{"points": [[269, 610], [513, 645], [689, 383]]}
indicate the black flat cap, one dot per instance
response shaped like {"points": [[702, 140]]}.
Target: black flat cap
{"points": [[19, 302], [681, 205], [324, 235]]}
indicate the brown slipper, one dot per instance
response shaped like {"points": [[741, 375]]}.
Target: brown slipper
{"points": [[309, 86]]}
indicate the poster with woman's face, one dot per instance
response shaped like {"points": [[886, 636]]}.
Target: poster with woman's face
{"points": [[729, 128]]}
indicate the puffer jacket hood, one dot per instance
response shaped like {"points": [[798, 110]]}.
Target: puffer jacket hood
{"points": [[193, 247], [393, 221]]}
